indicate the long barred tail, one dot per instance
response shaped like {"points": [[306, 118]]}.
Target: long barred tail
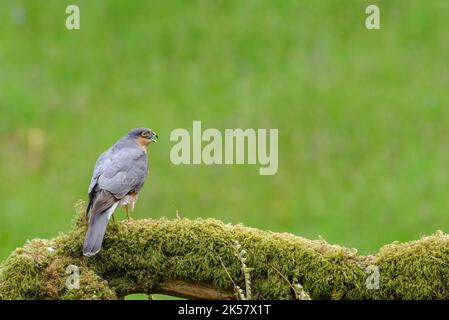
{"points": [[96, 230]]}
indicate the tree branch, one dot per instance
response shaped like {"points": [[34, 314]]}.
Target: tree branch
{"points": [[194, 291], [184, 258]]}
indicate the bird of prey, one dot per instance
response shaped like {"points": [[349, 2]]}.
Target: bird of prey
{"points": [[119, 174]]}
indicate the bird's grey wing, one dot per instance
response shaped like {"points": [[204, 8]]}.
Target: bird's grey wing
{"points": [[124, 171], [98, 169]]}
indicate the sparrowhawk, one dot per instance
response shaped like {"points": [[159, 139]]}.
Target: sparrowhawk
{"points": [[119, 174]]}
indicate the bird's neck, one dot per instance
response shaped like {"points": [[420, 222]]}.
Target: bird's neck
{"points": [[142, 143]]}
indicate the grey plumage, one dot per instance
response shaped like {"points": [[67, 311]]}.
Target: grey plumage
{"points": [[96, 230], [119, 174]]}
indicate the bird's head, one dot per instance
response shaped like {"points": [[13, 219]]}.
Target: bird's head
{"points": [[143, 136]]}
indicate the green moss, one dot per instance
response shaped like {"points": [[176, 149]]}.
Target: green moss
{"points": [[36, 271], [137, 255]]}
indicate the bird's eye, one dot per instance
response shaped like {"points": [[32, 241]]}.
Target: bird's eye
{"points": [[145, 134]]}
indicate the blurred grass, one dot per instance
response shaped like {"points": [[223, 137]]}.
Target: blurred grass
{"points": [[362, 115]]}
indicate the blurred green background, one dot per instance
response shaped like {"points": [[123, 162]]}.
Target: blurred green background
{"points": [[362, 114]]}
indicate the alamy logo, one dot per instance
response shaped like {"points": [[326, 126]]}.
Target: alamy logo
{"points": [[72, 22], [373, 279], [372, 22], [231, 150], [73, 279]]}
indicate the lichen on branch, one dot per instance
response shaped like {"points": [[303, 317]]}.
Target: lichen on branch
{"points": [[195, 259]]}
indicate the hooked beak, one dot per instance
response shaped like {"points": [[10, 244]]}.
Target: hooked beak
{"points": [[154, 135]]}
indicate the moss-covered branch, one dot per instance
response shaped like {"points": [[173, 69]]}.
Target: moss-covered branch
{"points": [[195, 259]]}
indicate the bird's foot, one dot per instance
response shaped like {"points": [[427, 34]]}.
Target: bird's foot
{"points": [[114, 223], [128, 214]]}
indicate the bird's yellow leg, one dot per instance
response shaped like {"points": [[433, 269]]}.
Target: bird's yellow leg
{"points": [[127, 212], [114, 224]]}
